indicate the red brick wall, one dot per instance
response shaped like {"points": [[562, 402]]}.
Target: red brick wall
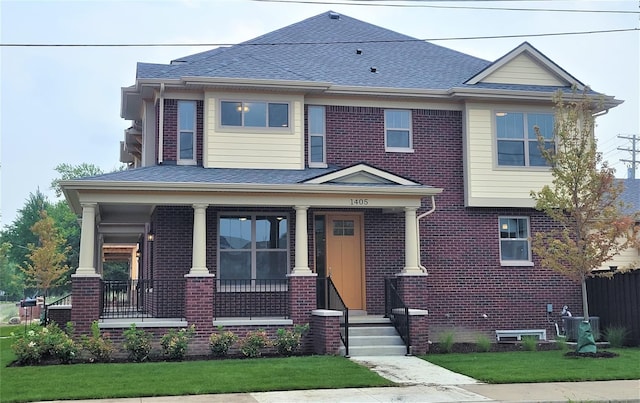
{"points": [[326, 335], [86, 303]]}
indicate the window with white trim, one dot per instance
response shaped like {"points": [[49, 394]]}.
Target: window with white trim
{"points": [[253, 247], [254, 114], [517, 141], [397, 130], [515, 247], [317, 145], [187, 132]]}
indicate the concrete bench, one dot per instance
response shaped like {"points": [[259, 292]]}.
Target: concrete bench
{"points": [[517, 335]]}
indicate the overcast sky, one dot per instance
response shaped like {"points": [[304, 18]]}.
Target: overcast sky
{"points": [[62, 104]]}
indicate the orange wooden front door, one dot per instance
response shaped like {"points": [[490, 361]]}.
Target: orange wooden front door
{"points": [[345, 258]]}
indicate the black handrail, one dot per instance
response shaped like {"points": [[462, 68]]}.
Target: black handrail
{"points": [[396, 310], [334, 301]]}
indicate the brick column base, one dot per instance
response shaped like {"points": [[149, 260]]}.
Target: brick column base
{"points": [[325, 327], [418, 332], [198, 309], [85, 308], [302, 298]]}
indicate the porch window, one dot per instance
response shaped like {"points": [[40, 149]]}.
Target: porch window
{"points": [[515, 248], [253, 247]]}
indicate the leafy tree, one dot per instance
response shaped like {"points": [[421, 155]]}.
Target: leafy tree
{"points": [[68, 171], [10, 280], [582, 199], [47, 266], [68, 227]]}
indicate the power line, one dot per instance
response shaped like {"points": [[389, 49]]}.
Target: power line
{"points": [[372, 4], [112, 45]]}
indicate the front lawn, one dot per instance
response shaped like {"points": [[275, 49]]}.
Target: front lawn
{"points": [[540, 366]]}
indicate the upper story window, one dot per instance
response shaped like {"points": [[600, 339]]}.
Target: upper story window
{"points": [[517, 141], [317, 143], [187, 132], [397, 130], [254, 114], [515, 247]]}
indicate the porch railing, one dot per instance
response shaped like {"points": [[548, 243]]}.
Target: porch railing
{"points": [[142, 299], [396, 310], [251, 298], [64, 300], [329, 298]]}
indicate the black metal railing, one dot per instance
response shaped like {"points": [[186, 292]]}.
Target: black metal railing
{"points": [[252, 298], [396, 310], [329, 298], [142, 299]]}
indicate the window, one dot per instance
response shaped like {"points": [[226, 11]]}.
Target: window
{"points": [[316, 127], [186, 132], [517, 141], [254, 114], [397, 130], [514, 241], [253, 247]]}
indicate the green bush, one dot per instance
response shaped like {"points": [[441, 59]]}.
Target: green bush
{"points": [[446, 341], [138, 343], [38, 343], [530, 343], [219, 343], [616, 335], [253, 343], [287, 341], [175, 342], [99, 347], [483, 344]]}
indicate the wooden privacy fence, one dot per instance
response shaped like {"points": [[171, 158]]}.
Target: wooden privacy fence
{"points": [[616, 301]]}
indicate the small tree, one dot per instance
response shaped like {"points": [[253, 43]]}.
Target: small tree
{"points": [[582, 199], [47, 266]]}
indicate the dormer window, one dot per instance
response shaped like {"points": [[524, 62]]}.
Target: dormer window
{"points": [[254, 114]]}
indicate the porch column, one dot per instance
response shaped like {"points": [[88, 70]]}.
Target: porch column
{"points": [[302, 243], [199, 258], [411, 264], [86, 266]]}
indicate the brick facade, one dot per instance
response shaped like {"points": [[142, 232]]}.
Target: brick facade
{"points": [[86, 293]]}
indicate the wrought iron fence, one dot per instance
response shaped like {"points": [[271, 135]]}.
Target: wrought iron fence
{"points": [[252, 298], [396, 310], [142, 299], [329, 298]]}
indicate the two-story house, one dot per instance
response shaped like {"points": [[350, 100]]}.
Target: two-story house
{"points": [[328, 170]]}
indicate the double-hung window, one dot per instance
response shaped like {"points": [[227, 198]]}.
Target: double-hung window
{"points": [[317, 144], [515, 248], [254, 114], [517, 139], [253, 247], [397, 130], [187, 132]]}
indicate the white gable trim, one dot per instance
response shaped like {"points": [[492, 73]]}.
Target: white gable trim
{"points": [[350, 175], [537, 56]]}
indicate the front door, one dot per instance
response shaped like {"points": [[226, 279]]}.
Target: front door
{"points": [[345, 258]]}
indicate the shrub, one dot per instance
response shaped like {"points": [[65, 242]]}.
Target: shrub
{"points": [[138, 343], [288, 341], [253, 343], [220, 342], [483, 344], [39, 343], [446, 341], [530, 343], [616, 335], [100, 348], [175, 342]]}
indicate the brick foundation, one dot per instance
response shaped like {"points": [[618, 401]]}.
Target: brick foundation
{"points": [[326, 332]]}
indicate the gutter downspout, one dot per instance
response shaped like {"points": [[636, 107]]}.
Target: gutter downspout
{"points": [[433, 208], [161, 124]]}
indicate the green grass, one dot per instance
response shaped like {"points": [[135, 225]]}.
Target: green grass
{"points": [[541, 366], [90, 381]]}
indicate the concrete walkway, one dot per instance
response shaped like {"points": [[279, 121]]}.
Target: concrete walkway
{"points": [[421, 381]]}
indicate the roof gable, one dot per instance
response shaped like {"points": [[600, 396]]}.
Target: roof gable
{"points": [[362, 174], [525, 65]]}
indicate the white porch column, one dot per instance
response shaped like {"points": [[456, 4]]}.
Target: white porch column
{"points": [[411, 264], [86, 266], [199, 258], [302, 243]]}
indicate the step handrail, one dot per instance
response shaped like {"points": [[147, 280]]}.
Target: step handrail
{"points": [[396, 310]]}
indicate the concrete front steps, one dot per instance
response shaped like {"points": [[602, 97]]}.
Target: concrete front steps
{"points": [[373, 336]]}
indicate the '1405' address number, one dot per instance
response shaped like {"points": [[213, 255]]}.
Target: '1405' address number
{"points": [[359, 202]]}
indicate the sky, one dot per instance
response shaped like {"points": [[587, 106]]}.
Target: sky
{"points": [[62, 104]]}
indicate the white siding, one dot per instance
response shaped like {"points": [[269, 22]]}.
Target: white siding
{"points": [[626, 259], [254, 148], [523, 70], [487, 185]]}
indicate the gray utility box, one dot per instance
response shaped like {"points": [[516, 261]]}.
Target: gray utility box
{"points": [[572, 323]]}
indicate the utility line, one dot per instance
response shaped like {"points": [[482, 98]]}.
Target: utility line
{"points": [[112, 45], [371, 4]]}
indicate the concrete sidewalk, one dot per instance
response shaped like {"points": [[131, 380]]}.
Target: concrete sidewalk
{"points": [[421, 381]]}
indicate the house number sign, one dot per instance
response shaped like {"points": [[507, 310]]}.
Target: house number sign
{"points": [[359, 202]]}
